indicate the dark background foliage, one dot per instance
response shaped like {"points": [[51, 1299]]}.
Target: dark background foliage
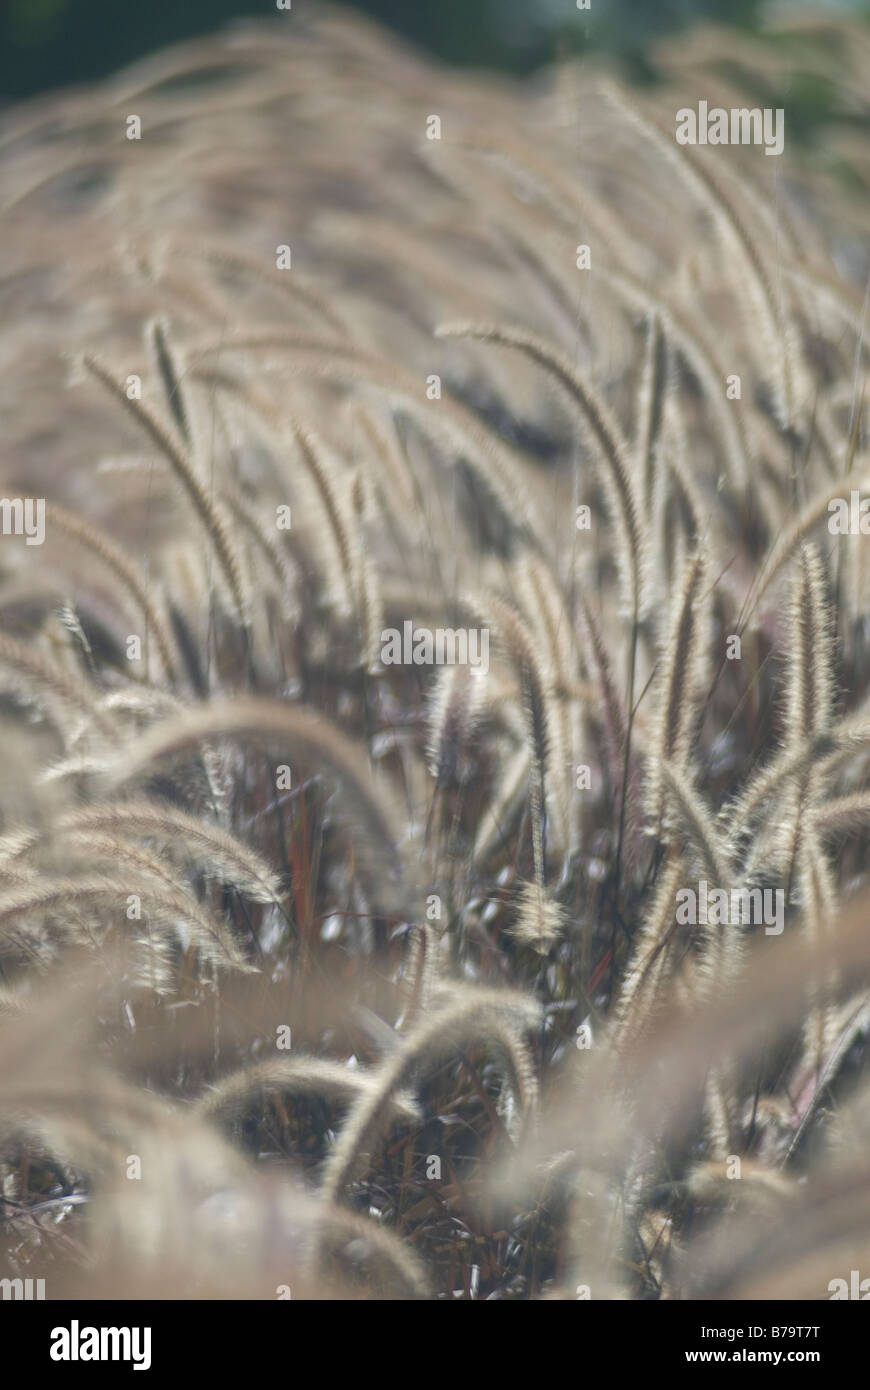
{"points": [[49, 43]]}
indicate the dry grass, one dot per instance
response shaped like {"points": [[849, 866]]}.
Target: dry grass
{"points": [[377, 969]]}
